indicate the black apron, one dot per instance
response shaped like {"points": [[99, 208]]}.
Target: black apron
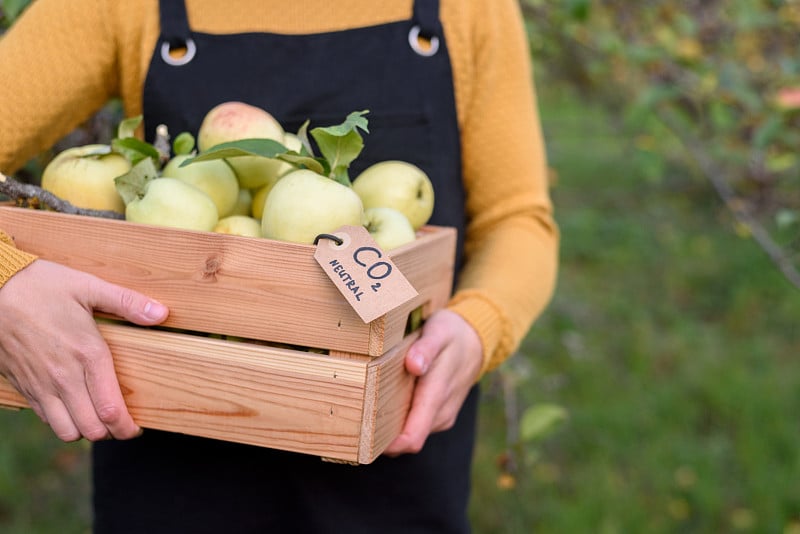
{"points": [[170, 483]]}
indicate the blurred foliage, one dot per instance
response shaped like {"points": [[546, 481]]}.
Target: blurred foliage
{"points": [[707, 85], [10, 10]]}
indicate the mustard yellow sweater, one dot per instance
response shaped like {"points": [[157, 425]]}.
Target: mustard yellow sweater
{"points": [[63, 60]]}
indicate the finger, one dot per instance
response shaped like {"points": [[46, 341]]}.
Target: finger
{"points": [[84, 416], [126, 303], [418, 425], [59, 419], [423, 351], [107, 400]]}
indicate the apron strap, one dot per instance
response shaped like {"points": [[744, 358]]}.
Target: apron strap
{"points": [[174, 22], [426, 16]]}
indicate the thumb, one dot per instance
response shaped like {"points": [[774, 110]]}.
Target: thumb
{"points": [[126, 303]]}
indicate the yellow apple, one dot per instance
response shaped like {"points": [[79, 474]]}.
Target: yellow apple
{"points": [[214, 177], [388, 227], [175, 203], [304, 204], [259, 198], [239, 225], [84, 176], [234, 121], [399, 185], [244, 203]]}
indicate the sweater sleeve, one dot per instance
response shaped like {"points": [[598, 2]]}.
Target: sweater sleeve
{"points": [[58, 66], [511, 241], [12, 260]]}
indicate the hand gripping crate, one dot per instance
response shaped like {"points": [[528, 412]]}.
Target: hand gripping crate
{"points": [[260, 347]]}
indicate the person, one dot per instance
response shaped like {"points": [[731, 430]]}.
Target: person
{"points": [[449, 87]]}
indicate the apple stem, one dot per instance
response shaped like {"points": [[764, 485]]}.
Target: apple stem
{"points": [[33, 196]]}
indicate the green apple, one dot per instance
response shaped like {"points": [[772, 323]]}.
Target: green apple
{"points": [[399, 185], [239, 225], [304, 204], [234, 121], [175, 203], [244, 203], [84, 176], [214, 177], [388, 227], [259, 199]]}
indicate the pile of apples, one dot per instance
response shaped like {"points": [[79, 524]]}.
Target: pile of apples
{"points": [[248, 177]]}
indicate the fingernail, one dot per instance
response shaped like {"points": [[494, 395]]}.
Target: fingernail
{"points": [[154, 310], [420, 361]]}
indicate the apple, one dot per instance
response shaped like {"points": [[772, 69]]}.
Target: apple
{"points": [[259, 199], [244, 203], [304, 204], [214, 177], [234, 121], [84, 176], [388, 227], [399, 185], [239, 225], [175, 203]]}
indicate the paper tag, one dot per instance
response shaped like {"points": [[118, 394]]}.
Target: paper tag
{"points": [[363, 273]]}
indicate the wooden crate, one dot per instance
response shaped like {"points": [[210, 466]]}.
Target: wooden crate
{"points": [[345, 401]]}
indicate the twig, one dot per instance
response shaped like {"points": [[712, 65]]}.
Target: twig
{"points": [[161, 143], [29, 195], [741, 213]]}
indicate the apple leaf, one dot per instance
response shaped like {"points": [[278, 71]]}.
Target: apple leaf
{"points": [[302, 134], [267, 148], [541, 419], [341, 144], [127, 128], [133, 184], [135, 149]]}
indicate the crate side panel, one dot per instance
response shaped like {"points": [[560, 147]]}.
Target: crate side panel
{"points": [[238, 286], [241, 392]]}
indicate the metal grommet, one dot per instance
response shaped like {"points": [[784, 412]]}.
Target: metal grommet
{"points": [[191, 49], [416, 46]]}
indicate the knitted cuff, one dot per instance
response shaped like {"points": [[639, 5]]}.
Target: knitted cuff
{"points": [[488, 321], [12, 260]]}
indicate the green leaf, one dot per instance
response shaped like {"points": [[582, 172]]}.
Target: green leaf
{"points": [[183, 144], [302, 134], [266, 148], [341, 144], [133, 184], [135, 149], [127, 127], [786, 218], [541, 419], [767, 131]]}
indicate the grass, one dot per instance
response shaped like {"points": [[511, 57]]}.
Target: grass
{"points": [[671, 341]]}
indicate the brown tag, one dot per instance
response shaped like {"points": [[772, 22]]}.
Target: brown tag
{"points": [[363, 273]]}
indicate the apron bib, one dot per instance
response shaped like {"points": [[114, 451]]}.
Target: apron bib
{"points": [[170, 483], [409, 95]]}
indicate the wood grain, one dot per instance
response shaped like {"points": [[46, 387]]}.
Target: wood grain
{"points": [[260, 395], [232, 285]]}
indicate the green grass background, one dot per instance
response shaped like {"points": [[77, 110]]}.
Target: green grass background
{"points": [[671, 342]]}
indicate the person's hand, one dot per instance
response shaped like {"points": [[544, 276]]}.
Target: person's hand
{"points": [[52, 352], [446, 359]]}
